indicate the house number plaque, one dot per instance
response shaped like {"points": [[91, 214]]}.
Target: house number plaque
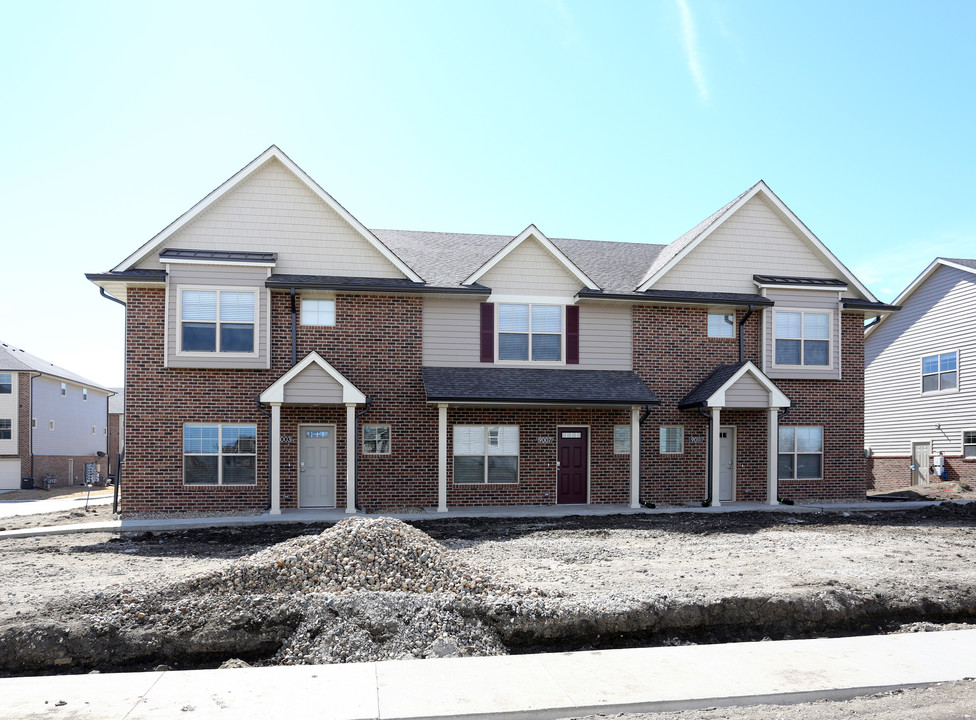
{"points": [[546, 439], [287, 439]]}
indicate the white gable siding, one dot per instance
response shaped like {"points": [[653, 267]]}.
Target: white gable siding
{"points": [[747, 392], [754, 240], [313, 385], [10, 410], [273, 211], [940, 316], [73, 419], [531, 270]]}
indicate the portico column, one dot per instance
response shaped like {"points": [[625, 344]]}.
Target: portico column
{"points": [[351, 457], [772, 458], [442, 458], [635, 457], [275, 459], [716, 452]]}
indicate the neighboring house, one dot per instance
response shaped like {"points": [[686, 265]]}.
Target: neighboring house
{"points": [[116, 428], [282, 355], [52, 421], [920, 386]]}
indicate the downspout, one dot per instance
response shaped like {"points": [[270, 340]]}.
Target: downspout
{"points": [[742, 338], [355, 500], [647, 411], [294, 330], [708, 470], [105, 295], [267, 413]]}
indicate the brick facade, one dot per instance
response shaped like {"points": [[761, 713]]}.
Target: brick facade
{"points": [[890, 473]]}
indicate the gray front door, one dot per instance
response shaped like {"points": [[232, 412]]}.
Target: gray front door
{"points": [[921, 451], [726, 464], [316, 469]]}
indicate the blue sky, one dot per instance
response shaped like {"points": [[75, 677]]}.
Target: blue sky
{"points": [[600, 120]]}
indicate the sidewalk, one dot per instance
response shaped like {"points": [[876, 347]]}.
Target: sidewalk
{"points": [[519, 686]]}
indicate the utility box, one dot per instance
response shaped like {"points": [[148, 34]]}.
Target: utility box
{"points": [[26, 483]]}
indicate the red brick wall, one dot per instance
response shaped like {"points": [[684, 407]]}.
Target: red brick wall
{"points": [[891, 473], [57, 467]]}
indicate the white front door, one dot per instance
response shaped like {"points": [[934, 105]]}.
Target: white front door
{"points": [[726, 464], [921, 452], [317, 466]]}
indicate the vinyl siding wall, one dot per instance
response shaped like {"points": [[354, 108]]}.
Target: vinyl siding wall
{"points": [[804, 300], [530, 270], [313, 385], [747, 393], [939, 317], [73, 419], [9, 410], [215, 276], [273, 211]]}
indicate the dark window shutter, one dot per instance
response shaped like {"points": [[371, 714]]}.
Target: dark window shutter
{"points": [[487, 332], [572, 334]]}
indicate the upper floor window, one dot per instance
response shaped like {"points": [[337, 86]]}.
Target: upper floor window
{"points": [[721, 325], [6, 383], [84, 394], [530, 332], [318, 311], [217, 321], [6, 430], [802, 338], [64, 389], [939, 372]]}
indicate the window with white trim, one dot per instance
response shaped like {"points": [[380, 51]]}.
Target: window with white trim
{"points": [[802, 338], [219, 454], [6, 429], [64, 389], [217, 321], [376, 439], [318, 311], [84, 394], [940, 372], [530, 332], [969, 443], [621, 440], [800, 452], [721, 324], [6, 383], [486, 454], [672, 439]]}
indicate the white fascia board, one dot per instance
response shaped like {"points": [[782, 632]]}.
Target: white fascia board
{"points": [[276, 392], [229, 263], [533, 232], [776, 396], [215, 195]]}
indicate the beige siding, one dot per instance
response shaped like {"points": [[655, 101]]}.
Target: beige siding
{"points": [[313, 385], [215, 276], [747, 392], [813, 300], [939, 317], [273, 211], [531, 270], [9, 410], [755, 240], [452, 335]]}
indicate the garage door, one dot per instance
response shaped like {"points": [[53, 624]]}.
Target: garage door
{"points": [[10, 474]]}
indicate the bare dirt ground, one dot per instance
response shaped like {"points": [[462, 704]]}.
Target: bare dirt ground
{"points": [[938, 491], [601, 581]]}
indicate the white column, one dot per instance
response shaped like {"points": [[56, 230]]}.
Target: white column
{"points": [[635, 457], [716, 453], [772, 458], [442, 458], [351, 457], [275, 459]]}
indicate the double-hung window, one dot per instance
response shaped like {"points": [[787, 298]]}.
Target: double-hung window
{"points": [[6, 383], [217, 321], [486, 454], [969, 443], [939, 372], [530, 332], [800, 452], [6, 429], [802, 338], [219, 454]]}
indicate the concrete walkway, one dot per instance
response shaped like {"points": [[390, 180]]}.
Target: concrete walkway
{"points": [[522, 686], [14, 508], [515, 511]]}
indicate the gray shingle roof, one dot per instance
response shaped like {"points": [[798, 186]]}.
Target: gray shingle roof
{"points": [[707, 387], [17, 360], [531, 385]]}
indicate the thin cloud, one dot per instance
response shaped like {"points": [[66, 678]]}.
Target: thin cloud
{"points": [[691, 49]]}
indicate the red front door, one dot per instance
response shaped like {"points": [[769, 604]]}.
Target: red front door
{"points": [[573, 465]]}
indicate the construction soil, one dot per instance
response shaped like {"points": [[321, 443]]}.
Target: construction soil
{"points": [[580, 583]]}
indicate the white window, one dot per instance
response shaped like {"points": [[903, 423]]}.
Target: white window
{"points": [[802, 338], [6, 429], [969, 443], [6, 383], [376, 439], [621, 440], [672, 439], [939, 372], [800, 453], [318, 311], [721, 324], [84, 394], [64, 389], [217, 321], [530, 332], [486, 453], [219, 454]]}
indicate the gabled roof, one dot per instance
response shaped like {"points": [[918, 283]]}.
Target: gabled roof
{"points": [[16, 360], [963, 264], [271, 153], [532, 232], [677, 250], [276, 391], [710, 392]]}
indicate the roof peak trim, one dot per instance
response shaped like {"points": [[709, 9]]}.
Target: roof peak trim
{"points": [[922, 277], [275, 393], [716, 396]]}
